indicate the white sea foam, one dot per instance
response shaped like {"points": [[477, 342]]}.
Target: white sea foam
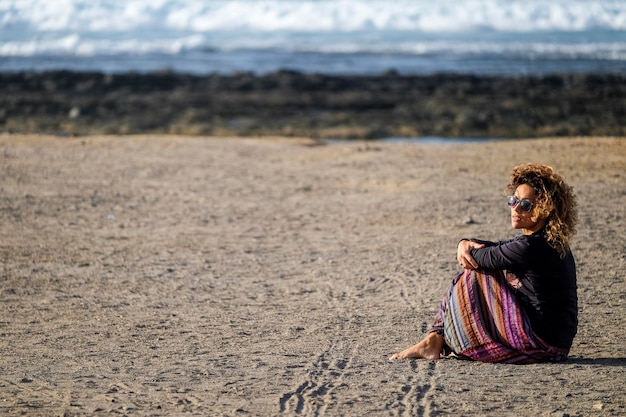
{"points": [[524, 29], [313, 16], [74, 45]]}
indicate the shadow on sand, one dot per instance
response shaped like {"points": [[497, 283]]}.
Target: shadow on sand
{"points": [[596, 361]]}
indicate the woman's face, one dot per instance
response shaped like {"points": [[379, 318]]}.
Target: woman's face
{"points": [[521, 219]]}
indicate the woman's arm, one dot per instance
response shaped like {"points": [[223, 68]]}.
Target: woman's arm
{"points": [[464, 255], [502, 255]]}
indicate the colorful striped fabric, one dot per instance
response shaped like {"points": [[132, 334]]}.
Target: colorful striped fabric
{"points": [[481, 319]]}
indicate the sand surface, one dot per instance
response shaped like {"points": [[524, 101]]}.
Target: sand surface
{"points": [[167, 276]]}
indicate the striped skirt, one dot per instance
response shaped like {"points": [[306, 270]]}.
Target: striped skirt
{"points": [[481, 319]]}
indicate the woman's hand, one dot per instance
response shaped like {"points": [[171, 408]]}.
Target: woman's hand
{"points": [[464, 256]]}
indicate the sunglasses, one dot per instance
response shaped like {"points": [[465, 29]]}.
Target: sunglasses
{"points": [[525, 205]]}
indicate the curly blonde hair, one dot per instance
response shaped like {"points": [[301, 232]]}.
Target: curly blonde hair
{"points": [[556, 202]]}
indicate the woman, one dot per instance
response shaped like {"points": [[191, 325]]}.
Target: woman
{"points": [[516, 300]]}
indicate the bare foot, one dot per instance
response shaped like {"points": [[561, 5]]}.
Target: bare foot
{"points": [[430, 347]]}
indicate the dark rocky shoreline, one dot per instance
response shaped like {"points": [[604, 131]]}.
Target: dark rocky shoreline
{"points": [[313, 105]]}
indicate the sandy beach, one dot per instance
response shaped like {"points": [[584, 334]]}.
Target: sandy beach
{"points": [[172, 275]]}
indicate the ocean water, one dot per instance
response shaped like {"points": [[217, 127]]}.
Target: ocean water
{"points": [[495, 37]]}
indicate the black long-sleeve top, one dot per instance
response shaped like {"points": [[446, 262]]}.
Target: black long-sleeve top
{"points": [[545, 285]]}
